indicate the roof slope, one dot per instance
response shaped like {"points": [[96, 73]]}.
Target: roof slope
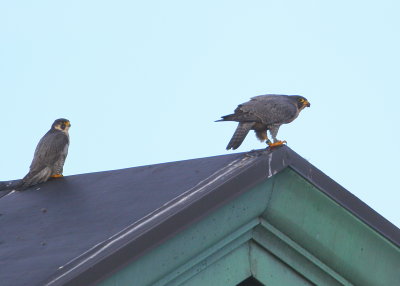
{"points": [[74, 228]]}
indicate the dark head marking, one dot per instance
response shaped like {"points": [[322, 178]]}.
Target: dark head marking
{"points": [[62, 122]]}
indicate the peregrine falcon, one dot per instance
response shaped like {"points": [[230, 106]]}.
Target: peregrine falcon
{"points": [[262, 113], [48, 160]]}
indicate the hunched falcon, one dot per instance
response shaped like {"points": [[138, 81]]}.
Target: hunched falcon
{"points": [[262, 113], [48, 160]]}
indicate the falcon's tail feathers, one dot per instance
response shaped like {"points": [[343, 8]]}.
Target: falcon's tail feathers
{"points": [[10, 185], [239, 135], [230, 117]]}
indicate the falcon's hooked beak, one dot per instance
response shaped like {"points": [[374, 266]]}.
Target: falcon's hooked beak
{"points": [[306, 104], [64, 126]]}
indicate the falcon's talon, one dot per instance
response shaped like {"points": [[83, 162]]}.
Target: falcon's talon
{"points": [[56, 176], [276, 144]]}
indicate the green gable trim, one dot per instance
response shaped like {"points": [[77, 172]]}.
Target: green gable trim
{"points": [[270, 270], [284, 231], [295, 257], [331, 233]]}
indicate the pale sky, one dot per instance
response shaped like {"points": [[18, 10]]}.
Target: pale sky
{"points": [[143, 81]]}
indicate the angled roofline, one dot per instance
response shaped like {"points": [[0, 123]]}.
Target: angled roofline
{"points": [[221, 187]]}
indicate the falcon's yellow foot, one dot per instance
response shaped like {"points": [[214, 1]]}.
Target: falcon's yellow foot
{"points": [[56, 176], [276, 144]]}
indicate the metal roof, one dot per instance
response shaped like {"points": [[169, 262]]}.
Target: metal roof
{"points": [[79, 229]]}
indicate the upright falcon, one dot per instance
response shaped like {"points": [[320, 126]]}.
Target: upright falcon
{"points": [[263, 113], [48, 160]]}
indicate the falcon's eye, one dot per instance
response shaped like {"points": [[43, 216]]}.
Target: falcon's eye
{"points": [[301, 100]]}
